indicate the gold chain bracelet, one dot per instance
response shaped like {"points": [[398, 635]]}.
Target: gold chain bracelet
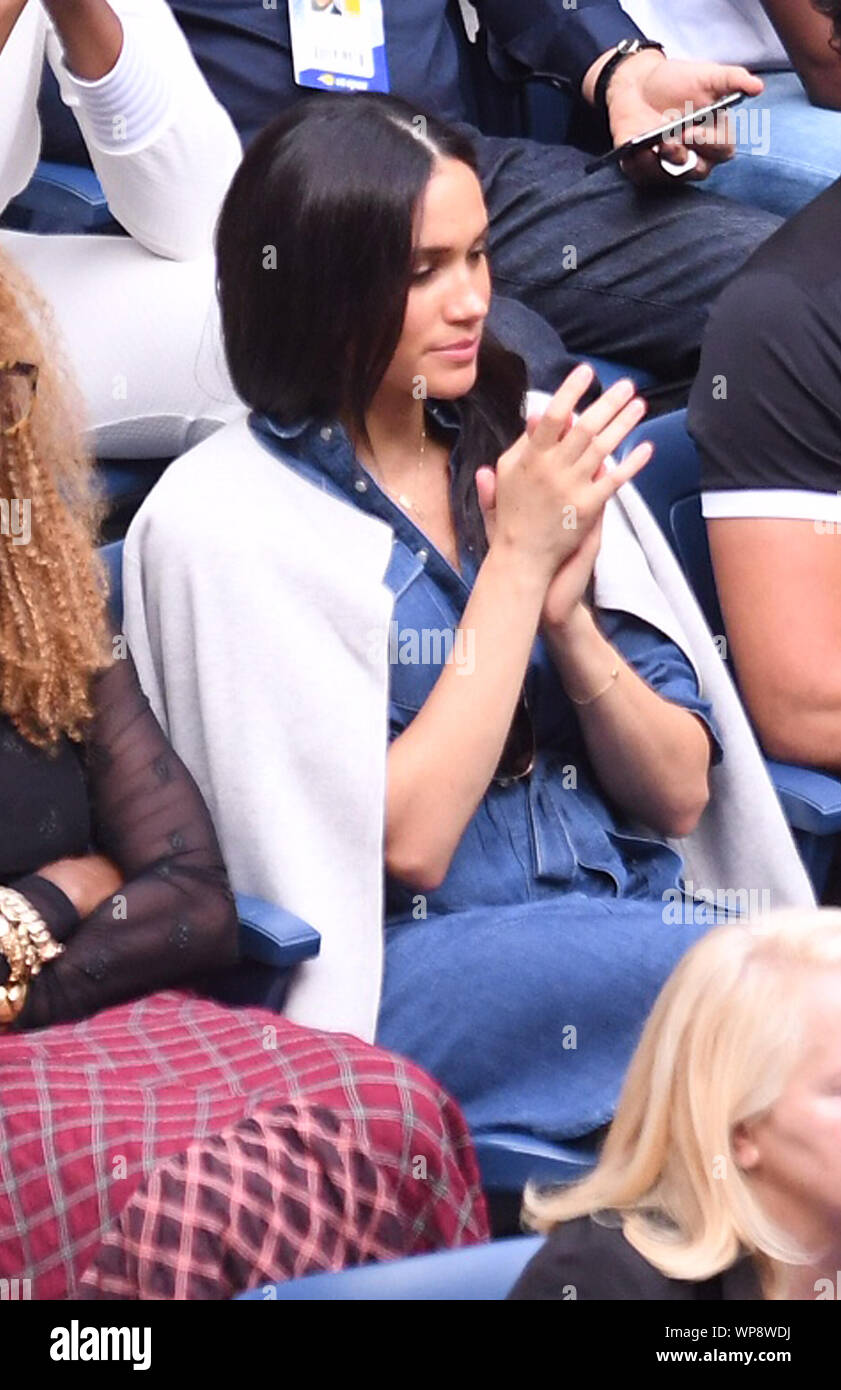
{"points": [[591, 699], [26, 944]]}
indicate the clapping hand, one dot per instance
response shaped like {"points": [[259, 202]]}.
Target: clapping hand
{"points": [[561, 463]]}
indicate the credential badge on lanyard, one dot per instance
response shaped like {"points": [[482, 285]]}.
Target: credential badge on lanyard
{"points": [[339, 45]]}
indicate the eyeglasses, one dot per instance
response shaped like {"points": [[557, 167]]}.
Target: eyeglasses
{"points": [[18, 383], [518, 755]]}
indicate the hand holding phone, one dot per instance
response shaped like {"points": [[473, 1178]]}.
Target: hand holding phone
{"points": [[652, 138]]}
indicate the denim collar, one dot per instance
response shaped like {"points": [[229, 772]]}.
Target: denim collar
{"points": [[322, 452], [444, 413]]}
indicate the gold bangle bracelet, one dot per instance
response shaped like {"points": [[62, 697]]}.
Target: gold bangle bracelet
{"points": [[591, 699], [26, 944]]}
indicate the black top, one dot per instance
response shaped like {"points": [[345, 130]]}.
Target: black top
{"points": [[774, 346], [127, 795], [584, 1259]]}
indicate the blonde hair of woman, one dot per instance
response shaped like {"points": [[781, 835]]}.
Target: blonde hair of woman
{"points": [[724, 1038], [53, 632]]}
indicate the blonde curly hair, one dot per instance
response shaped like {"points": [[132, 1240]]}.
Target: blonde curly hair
{"points": [[53, 629]]}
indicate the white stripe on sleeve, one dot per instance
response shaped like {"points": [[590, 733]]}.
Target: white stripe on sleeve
{"points": [[130, 105], [792, 504]]}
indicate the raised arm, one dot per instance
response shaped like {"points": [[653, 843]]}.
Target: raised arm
{"points": [[806, 35], [173, 918], [440, 767], [164, 148], [22, 29], [9, 15], [90, 34]]}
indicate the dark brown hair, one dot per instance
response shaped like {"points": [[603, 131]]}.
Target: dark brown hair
{"points": [[314, 262]]}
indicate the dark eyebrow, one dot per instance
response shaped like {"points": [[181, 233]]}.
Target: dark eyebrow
{"points": [[443, 250]]}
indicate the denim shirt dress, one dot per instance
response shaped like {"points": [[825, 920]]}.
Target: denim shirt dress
{"points": [[549, 928]]}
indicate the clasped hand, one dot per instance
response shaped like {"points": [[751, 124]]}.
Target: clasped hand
{"points": [[86, 880], [545, 502]]}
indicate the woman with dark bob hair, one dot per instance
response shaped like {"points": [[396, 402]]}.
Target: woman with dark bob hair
{"points": [[540, 752]]}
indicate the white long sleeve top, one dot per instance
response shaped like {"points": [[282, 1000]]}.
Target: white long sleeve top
{"points": [[163, 147]]}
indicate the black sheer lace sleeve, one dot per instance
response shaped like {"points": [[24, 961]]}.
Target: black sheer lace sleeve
{"points": [[174, 918]]}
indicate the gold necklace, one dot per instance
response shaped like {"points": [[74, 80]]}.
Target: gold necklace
{"points": [[401, 498]]}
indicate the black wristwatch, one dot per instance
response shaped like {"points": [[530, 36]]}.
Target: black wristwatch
{"points": [[626, 48]]}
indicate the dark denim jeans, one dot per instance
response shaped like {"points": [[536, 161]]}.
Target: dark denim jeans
{"points": [[647, 264]]}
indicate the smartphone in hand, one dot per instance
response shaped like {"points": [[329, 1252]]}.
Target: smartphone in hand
{"points": [[651, 138]]}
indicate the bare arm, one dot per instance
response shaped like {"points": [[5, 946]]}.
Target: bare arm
{"points": [[806, 35], [440, 767], [90, 33], [779, 583], [22, 29], [10, 12], [162, 146], [651, 756]]}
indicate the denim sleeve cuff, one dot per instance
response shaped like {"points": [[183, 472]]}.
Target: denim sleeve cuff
{"points": [[53, 905], [125, 109]]}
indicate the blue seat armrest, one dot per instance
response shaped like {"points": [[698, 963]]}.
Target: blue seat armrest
{"points": [[66, 195], [481, 1273], [810, 799], [510, 1159], [272, 935]]}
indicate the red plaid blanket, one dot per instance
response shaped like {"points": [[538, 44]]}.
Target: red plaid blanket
{"points": [[296, 1151]]}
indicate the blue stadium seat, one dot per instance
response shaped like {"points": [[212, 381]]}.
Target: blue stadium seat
{"points": [[508, 1159], [272, 940], [611, 372], [671, 485], [64, 198], [479, 1273], [126, 482], [61, 198]]}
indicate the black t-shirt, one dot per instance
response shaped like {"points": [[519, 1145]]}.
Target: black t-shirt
{"points": [[590, 1259], [765, 410]]}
